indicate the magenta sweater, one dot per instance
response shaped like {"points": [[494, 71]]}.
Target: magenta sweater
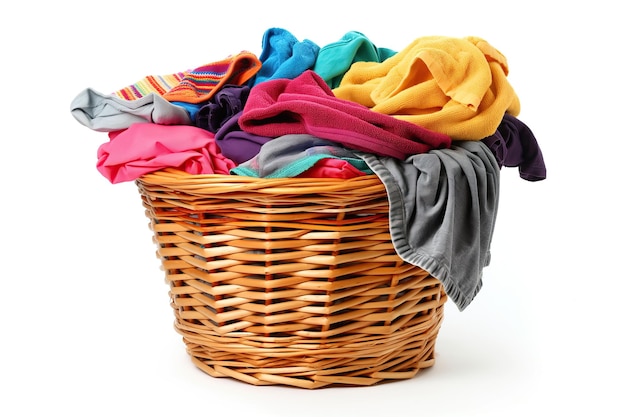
{"points": [[306, 104]]}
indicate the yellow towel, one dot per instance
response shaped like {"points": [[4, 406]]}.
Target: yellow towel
{"points": [[456, 86]]}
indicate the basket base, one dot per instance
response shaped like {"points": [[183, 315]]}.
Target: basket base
{"points": [[291, 281], [311, 364]]}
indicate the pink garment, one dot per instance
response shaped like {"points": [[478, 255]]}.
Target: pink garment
{"points": [[149, 147], [332, 168], [307, 105]]}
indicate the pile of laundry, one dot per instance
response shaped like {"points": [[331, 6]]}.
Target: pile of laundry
{"points": [[436, 121]]}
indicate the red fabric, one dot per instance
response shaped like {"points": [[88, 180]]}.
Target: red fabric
{"points": [[306, 104], [332, 168], [149, 147]]}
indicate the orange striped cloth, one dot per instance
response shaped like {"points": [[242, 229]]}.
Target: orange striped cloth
{"points": [[200, 84], [158, 84]]}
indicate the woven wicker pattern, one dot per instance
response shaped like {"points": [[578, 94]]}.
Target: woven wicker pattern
{"points": [[291, 281]]}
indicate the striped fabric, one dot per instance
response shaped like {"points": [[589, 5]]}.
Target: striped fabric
{"points": [[158, 84], [202, 83]]}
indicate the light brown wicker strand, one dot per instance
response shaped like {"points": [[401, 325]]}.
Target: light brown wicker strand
{"points": [[291, 281]]}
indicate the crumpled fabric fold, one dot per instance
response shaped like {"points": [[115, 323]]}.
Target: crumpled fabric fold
{"points": [[306, 105], [442, 211], [148, 147], [334, 59], [456, 86], [109, 113], [299, 155], [515, 145], [226, 103], [284, 56]]}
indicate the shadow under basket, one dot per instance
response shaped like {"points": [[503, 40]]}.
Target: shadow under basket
{"points": [[291, 281]]}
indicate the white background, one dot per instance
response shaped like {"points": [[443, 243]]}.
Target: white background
{"points": [[85, 321]]}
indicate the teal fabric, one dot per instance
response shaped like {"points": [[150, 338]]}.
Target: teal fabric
{"points": [[334, 59]]}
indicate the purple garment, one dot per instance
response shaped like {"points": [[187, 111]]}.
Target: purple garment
{"points": [[236, 144], [514, 145], [226, 103]]}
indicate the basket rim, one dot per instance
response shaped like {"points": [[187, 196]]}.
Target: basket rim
{"points": [[181, 180]]}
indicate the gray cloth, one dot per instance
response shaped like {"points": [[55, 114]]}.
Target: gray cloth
{"points": [[290, 155], [442, 212], [109, 113]]}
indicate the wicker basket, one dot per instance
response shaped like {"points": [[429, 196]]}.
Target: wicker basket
{"points": [[291, 281]]}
